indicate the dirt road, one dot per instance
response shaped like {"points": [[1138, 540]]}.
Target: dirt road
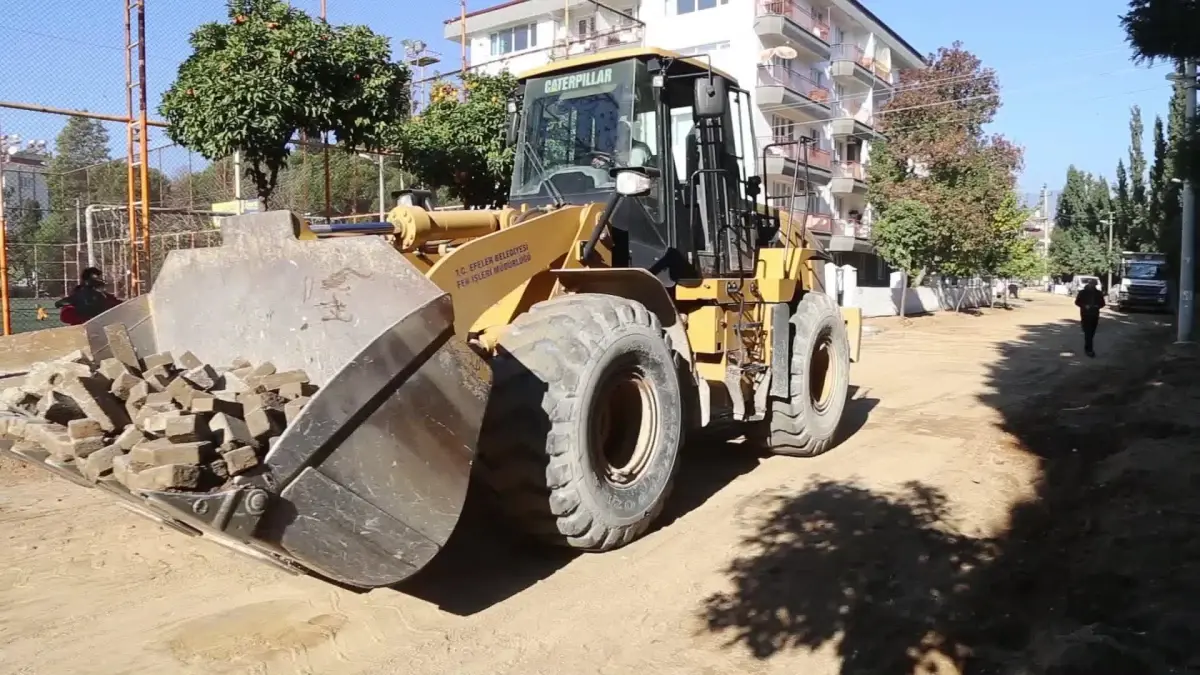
{"points": [[766, 565]]}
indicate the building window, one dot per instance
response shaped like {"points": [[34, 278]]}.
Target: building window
{"points": [[587, 26], [515, 39], [689, 6], [782, 128]]}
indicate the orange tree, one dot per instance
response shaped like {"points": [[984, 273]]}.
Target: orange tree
{"points": [[457, 143], [271, 72]]}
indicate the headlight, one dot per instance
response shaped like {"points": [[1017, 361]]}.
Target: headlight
{"points": [[633, 184]]}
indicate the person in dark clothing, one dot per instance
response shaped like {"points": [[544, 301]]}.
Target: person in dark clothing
{"points": [[1090, 301], [88, 300]]}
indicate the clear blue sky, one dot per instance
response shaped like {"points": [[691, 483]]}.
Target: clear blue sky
{"points": [[1066, 90]]}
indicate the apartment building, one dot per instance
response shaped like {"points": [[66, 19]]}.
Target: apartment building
{"points": [[842, 68]]}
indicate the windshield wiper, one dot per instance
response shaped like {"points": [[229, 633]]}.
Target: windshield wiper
{"points": [[538, 166]]}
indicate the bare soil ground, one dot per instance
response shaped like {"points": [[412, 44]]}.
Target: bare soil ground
{"points": [[1002, 505]]}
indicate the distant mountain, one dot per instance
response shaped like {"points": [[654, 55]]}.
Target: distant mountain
{"points": [[1033, 200]]}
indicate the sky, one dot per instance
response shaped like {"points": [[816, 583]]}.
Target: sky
{"points": [[1066, 92]]}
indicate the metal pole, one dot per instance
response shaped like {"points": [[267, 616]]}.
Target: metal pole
{"points": [[382, 190], [78, 229], [1108, 288], [237, 180], [4, 306], [90, 233], [1187, 249]]}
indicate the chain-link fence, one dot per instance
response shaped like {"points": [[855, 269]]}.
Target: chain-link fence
{"points": [[42, 273], [65, 151]]}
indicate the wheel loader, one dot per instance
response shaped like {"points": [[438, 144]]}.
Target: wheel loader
{"points": [[639, 286]]}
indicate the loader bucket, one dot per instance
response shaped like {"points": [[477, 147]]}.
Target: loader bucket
{"points": [[366, 485]]}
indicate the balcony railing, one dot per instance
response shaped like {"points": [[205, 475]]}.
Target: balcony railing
{"points": [[776, 75], [850, 170], [815, 220], [796, 14], [882, 71], [851, 52], [852, 228], [866, 117], [617, 36], [817, 157]]}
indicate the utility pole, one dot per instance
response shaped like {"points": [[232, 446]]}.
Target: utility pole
{"points": [[1187, 245], [1187, 250], [462, 32], [1108, 262]]}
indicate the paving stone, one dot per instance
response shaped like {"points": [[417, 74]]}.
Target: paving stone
{"points": [[96, 402], [167, 477], [240, 460], [162, 451]]}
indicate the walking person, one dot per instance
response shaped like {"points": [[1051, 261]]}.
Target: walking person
{"points": [[1090, 301]]}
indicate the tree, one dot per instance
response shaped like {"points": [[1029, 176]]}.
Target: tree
{"points": [[458, 141], [1001, 256], [1075, 250], [1073, 202], [80, 152], [937, 154], [904, 235], [1158, 210], [1137, 172], [273, 72], [1123, 211], [1162, 29]]}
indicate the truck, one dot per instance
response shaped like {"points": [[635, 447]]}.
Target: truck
{"points": [[1143, 281]]}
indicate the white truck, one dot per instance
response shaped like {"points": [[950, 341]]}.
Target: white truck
{"points": [[1143, 281]]}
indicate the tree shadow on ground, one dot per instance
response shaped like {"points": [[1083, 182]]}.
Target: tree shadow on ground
{"points": [[1098, 573]]}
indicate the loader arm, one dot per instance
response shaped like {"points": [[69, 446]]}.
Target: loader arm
{"points": [[488, 277]]}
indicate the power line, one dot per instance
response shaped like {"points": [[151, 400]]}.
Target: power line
{"points": [[60, 38]]}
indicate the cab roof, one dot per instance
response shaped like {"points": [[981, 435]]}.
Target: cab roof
{"points": [[618, 55]]}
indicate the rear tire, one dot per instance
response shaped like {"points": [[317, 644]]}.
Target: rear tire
{"points": [[806, 424], [582, 440]]}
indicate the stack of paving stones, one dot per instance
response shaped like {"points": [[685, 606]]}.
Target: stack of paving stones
{"points": [[159, 423]]}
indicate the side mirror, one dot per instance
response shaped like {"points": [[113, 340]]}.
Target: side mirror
{"points": [[635, 181], [710, 100], [753, 187], [512, 125]]}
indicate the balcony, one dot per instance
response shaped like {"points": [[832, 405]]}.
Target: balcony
{"points": [[814, 219], [849, 178], [852, 228], [783, 22], [616, 37], [785, 160], [852, 123], [779, 86], [851, 66]]}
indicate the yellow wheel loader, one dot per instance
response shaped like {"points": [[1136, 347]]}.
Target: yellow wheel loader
{"points": [[638, 286]]}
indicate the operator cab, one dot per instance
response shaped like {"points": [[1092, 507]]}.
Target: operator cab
{"points": [[660, 140]]}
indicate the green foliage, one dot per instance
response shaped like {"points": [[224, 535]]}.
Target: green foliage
{"points": [[937, 154], [1073, 202], [457, 143], [273, 72], [904, 235], [1011, 254], [1162, 29], [1075, 250]]}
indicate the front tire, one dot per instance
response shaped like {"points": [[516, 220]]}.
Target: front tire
{"points": [[806, 423], [582, 441]]}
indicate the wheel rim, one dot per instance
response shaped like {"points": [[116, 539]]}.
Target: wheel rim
{"points": [[820, 372], [623, 424]]}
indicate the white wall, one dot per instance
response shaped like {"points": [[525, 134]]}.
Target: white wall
{"points": [[876, 301]]}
